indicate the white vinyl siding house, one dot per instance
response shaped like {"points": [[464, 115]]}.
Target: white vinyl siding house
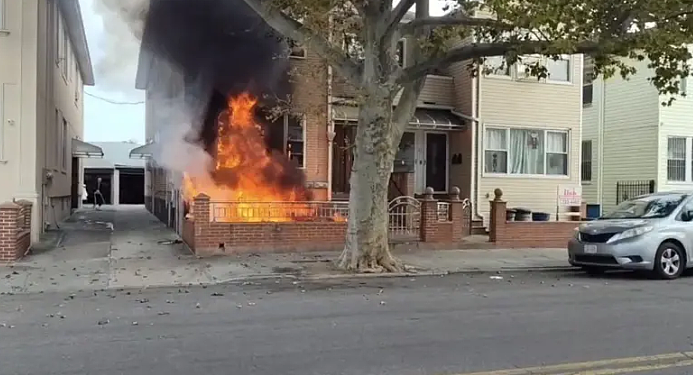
{"points": [[530, 134], [635, 138]]}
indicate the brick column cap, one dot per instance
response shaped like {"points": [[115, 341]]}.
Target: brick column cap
{"points": [[9, 206], [23, 202], [202, 197]]}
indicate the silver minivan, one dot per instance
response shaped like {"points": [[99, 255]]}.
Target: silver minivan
{"points": [[652, 232]]}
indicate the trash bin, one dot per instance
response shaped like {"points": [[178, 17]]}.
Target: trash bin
{"points": [[509, 214], [540, 216], [523, 214]]}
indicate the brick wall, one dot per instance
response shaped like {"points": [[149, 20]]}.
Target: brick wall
{"points": [[309, 98], [523, 234], [15, 230], [206, 237]]}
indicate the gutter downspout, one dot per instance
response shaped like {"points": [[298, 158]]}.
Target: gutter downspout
{"points": [[330, 126], [475, 172], [600, 154]]}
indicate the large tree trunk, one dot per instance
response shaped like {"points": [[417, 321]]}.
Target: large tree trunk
{"points": [[366, 248]]}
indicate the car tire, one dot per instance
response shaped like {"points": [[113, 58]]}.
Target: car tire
{"points": [[670, 261], [594, 271]]}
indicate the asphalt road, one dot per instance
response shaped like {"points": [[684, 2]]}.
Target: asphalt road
{"points": [[419, 326]]}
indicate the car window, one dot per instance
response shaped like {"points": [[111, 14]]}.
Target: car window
{"points": [[647, 207]]}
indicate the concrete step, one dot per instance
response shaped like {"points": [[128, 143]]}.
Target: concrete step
{"points": [[478, 227]]}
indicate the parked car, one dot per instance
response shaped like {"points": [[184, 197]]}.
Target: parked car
{"points": [[652, 232]]}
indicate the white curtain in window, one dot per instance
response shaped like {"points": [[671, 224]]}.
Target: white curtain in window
{"points": [[557, 153], [496, 139], [556, 142], [526, 151]]}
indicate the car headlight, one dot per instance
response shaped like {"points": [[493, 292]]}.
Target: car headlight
{"points": [[630, 233]]}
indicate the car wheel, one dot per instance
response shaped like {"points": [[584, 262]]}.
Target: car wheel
{"points": [[670, 261], [594, 271]]}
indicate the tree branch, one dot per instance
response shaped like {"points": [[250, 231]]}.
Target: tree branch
{"points": [[396, 17], [478, 50], [454, 20], [294, 30]]}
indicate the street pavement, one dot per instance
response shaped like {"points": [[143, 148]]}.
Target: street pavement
{"points": [[127, 247], [428, 325]]}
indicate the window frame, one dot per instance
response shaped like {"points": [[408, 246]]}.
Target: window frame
{"points": [[685, 159], [517, 73], [63, 144], [302, 122], [584, 162], [569, 62], [3, 17], [545, 132], [294, 45], [508, 68]]}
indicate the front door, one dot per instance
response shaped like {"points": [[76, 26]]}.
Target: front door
{"points": [[436, 161]]}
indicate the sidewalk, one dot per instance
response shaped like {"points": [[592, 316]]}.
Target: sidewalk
{"points": [[127, 247]]}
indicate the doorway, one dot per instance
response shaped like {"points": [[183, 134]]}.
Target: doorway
{"points": [[431, 154]]}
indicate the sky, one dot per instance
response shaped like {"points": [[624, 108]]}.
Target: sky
{"points": [[108, 112], [105, 121]]}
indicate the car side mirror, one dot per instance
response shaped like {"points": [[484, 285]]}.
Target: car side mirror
{"points": [[687, 215]]}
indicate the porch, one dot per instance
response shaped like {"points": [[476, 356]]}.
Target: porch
{"points": [[433, 152]]}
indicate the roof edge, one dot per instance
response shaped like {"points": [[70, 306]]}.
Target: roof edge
{"points": [[72, 14]]}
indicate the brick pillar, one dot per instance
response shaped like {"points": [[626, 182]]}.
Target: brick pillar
{"points": [[9, 229], [201, 215], [461, 221], [26, 213], [429, 216], [583, 211], [497, 217]]}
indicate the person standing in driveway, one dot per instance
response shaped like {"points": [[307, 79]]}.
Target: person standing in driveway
{"points": [[97, 195]]}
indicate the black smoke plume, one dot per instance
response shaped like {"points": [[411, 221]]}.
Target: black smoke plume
{"points": [[223, 48]]}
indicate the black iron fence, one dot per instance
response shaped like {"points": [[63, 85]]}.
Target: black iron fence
{"points": [[630, 189]]}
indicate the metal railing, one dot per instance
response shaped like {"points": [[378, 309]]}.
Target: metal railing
{"points": [[630, 189], [278, 211], [404, 219]]}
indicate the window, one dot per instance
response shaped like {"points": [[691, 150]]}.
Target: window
{"points": [[295, 139], [352, 46], [558, 70], [63, 145], [557, 153], [496, 65], [586, 161], [587, 81], [525, 64], [676, 159], [526, 151], [286, 135], [496, 151], [684, 86], [295, 50], [401, 47], [54, 134]]}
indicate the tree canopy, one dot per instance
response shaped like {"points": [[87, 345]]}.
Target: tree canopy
{"points": [[606, 30]]}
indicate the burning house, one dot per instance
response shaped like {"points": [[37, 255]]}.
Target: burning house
{"points": [[249, 136]]}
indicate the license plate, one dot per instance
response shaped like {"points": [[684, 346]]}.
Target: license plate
{"points": [[590, 249]]}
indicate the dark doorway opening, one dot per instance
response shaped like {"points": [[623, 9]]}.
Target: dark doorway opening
{"points": [[74, 189], [90, 177], [131, 189]]}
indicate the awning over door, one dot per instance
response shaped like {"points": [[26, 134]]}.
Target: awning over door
{"points": [[142, 152], [81, 149], [424, 118]]}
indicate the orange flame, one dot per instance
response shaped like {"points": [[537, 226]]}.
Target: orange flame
{"points": [[245, 171]]}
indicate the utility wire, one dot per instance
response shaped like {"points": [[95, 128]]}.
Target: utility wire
{"points": [[112, 101]]}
